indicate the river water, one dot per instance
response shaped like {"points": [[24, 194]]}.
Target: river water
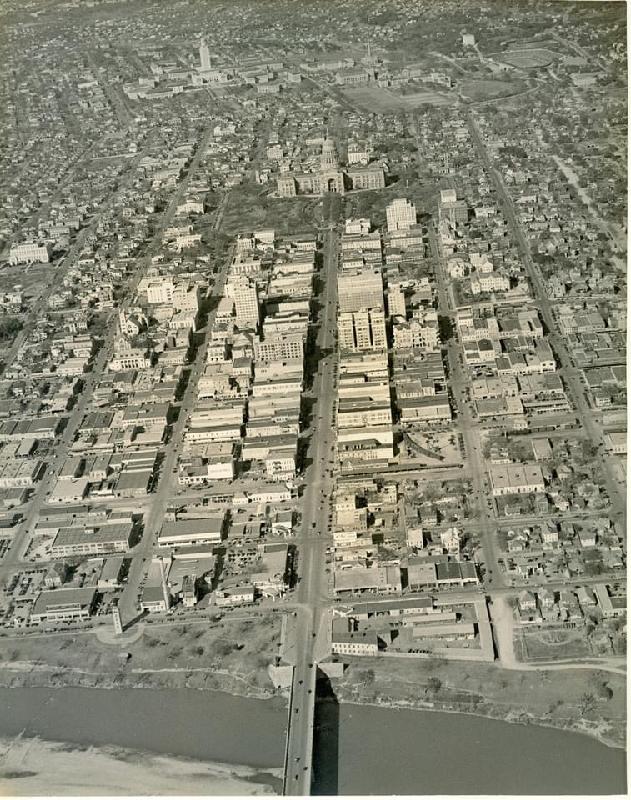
{"points": [[368, 750], [384, 751]]}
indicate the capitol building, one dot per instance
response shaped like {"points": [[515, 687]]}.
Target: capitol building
{"points": [[331, 177]]}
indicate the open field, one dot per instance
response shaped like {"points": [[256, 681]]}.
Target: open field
{"points": [[580, 699], [249, 209], [231, 654], [490, 89], [528, 59], [385, 101], [536, 44], [539, 645], [432, 448]]}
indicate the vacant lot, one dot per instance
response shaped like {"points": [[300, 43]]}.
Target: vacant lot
{"points": [[544, 645]]}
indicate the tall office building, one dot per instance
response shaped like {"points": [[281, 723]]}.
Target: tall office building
{"points": [[362, 330], [360, 289], [396, 300], [278, 348], [244, 295], [204, 55], [400, 215], [361, 320], [160, 290]]}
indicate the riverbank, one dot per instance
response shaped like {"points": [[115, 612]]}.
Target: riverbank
{"points": [[230, 655], [21, 675], [585, 701], [41, 768], [589, 702], [582, 727], [609, 732]]}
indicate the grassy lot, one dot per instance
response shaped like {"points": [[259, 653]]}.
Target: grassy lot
{"points": [[232, 654], [574, 698], [549, 645], [373, 204], [385, 101], [490, 89], [249, 209], [529, 59]]}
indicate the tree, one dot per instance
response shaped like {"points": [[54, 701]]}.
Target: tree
{"points": [[434, 684], [223, 648], [587, 703], [445, 328], [367, 677], [9, 327]]}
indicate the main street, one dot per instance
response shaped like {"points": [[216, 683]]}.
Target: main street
{"points": [[312, 589]]}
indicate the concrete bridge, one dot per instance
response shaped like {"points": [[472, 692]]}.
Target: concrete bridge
{"points": [[307, 643], [298, 766]]}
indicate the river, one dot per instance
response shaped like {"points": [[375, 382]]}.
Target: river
{"points": [[368, 750]]}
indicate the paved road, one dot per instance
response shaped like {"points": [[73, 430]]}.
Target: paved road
{"points": [[458, 381], [571, 375], [62, 446], [312, 589], [54, 273], [166, 485]]}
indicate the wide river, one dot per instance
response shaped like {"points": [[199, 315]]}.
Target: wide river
{"points": [[366, 750]]}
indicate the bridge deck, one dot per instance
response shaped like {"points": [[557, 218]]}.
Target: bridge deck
{"points": [[299, 745]]}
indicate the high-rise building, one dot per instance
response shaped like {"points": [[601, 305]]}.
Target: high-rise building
{"points": [[362, 330], [204, 55], [400, 215], [358, 290], [396, 301], [244, 294], [361, 319]]}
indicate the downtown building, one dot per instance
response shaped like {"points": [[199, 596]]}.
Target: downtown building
{"points": [[400, 215], [361, 320], [331, 177], [364, 415]]}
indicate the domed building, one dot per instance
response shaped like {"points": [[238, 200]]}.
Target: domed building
{"points": [[328, 159], [330, 178]]}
